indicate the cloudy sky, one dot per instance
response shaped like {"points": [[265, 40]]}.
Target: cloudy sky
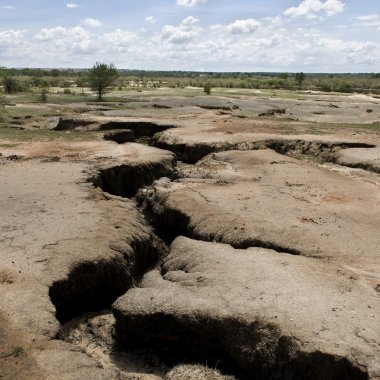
{"points": [[206, 35]]}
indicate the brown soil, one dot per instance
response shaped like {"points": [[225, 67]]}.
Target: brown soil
{"points": [[291, 288]]}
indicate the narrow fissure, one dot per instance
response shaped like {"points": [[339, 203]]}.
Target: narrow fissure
{"points": [[150, 133], [139, 128], [91, 286], [125, 180], [321, 151]]}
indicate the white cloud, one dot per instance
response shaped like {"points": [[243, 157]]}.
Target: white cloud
{"points": [[75, 40], [150, 19], [8, 7], [372, 20], [243, 26], [182, 33], [267, 44], [371, 17], [190, 3], [92, 22], [120, 38], [72, 5], [11, 36], [188, 22], [312, 8]]}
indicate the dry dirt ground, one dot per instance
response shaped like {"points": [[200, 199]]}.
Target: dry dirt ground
{"points": [[192, 238]]}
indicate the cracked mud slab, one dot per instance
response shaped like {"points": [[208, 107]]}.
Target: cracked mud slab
{"points": [[271, 315], [65, 242], [368, 159], [261, 198]]}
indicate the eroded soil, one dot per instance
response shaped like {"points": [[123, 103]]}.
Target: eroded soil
{"points": [[192, 238]]}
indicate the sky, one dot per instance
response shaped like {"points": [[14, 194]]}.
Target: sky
{"points": [[202, 35]]}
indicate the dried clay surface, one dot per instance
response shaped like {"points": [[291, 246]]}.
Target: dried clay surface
{"points": [[207, 237]]}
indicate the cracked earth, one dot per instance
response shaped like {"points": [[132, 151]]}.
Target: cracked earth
{"points": [[193, 238]]}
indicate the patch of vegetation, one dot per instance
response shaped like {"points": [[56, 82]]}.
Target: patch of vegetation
{"points": [[2, 107], [10, 84], [16, 352], [138, 80], [43, 92], [207, 88]]}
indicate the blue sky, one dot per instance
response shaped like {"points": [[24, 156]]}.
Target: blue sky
{"points": [[210, 35]]}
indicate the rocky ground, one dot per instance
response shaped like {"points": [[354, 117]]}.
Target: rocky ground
{"points": [[192, 238]]}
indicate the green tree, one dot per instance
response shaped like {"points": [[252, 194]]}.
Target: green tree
{"points": [[44, 91], [55, 73], [101, 78], [3, 102], [81, 82], [10, 84], [300, 77], [207, 88]]}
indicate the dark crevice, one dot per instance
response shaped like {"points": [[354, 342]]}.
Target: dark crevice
{"points": [[90, 286], [95, 285], [254, 350], [192, 153], [125, 180], [324, 151], [121, 137], [139, 128], [176, 341], [71, 124], [250, 243], [360, 165]]}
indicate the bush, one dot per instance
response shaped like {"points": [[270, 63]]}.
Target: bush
{"points": [[3, 102], [326, 86], [44, 90], [10, 84], [343, 87], [207, 88]]}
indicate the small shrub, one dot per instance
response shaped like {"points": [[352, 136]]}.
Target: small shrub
{"points": [[326, 86], [10, 84], [17, 351], [3, 102], [207, 88], [44, 90], [343, 87]]}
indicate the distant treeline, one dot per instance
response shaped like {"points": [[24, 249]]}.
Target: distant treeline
{"points": [[26, 78]]}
